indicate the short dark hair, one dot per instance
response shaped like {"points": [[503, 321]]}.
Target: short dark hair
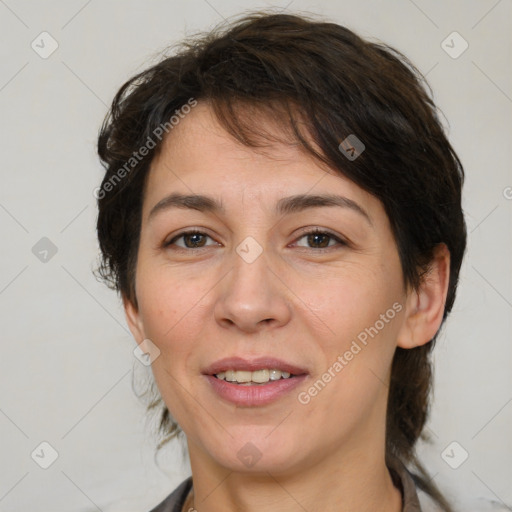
{"points": [[317, 76]]}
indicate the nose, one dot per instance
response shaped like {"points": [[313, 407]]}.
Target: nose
{"points": [[253, 297]]}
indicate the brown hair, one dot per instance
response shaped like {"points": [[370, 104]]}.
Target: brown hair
{"points": [[322, 78]]}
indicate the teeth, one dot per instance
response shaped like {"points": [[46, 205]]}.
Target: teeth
{"points": [[257, 377], [260, 376], [275, 374], [243, 376], [230, 376]]}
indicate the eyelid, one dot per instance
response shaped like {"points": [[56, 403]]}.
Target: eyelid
{"points": [[309, 230], [190, 231]]}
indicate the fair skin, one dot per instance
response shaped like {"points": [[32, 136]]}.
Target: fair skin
{"points": [[303, 300]]}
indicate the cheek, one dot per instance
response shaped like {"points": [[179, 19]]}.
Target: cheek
{"points": [[357, 350], [170, 309], [364, 311], [171, 313], [344, 304]]}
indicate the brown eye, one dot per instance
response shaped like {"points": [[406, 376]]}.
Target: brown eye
{"points": [[191, 240], [318, 239]]}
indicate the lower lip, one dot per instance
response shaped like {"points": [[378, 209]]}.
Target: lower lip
{"points": [[254, 395]]}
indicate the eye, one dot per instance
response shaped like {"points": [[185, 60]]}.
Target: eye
{"points": [[321, 239], [192, 239], [195, 239]]}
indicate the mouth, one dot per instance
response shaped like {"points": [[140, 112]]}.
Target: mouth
{"points": [[255, 371], [255, 378], [253, 382]]}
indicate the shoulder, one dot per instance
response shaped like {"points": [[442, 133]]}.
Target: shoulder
{"points": [[174, 502]]}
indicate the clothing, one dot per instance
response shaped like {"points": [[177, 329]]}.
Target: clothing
{"points": [[174, 502], [402, 479]]}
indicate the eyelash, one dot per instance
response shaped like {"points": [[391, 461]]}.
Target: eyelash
{"points": [[315, 231]]}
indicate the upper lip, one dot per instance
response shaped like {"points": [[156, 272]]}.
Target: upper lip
{"points": [[260, 363]]}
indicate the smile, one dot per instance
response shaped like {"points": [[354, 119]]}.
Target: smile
{"points": [[248, 378], [253, 383]]}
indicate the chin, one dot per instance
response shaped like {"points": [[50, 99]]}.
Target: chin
{"points": [[257, 451]]}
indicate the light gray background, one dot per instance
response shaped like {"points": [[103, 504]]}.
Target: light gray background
{"points": [[67, 361]]}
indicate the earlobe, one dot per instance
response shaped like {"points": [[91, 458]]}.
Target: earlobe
{"points": [[425, 306], [133, 320]]}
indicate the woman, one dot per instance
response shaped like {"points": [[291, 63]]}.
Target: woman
{"points": [[281, 214]]}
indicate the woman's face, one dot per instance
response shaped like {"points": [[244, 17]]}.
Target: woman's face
{"points": [[256, 291]]}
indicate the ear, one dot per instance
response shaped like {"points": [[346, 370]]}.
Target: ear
{"points": [[134, 320], [425, 306]]}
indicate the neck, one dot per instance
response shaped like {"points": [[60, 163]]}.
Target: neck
{"points": [[361, 482]]}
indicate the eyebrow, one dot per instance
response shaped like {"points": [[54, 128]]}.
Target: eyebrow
{"points": [[284, 206]]}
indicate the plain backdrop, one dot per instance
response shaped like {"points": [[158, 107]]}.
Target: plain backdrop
{"points": [[67, 360]]}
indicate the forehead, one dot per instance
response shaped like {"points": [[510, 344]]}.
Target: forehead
{"points": [[200, 157], [199, 137]]}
